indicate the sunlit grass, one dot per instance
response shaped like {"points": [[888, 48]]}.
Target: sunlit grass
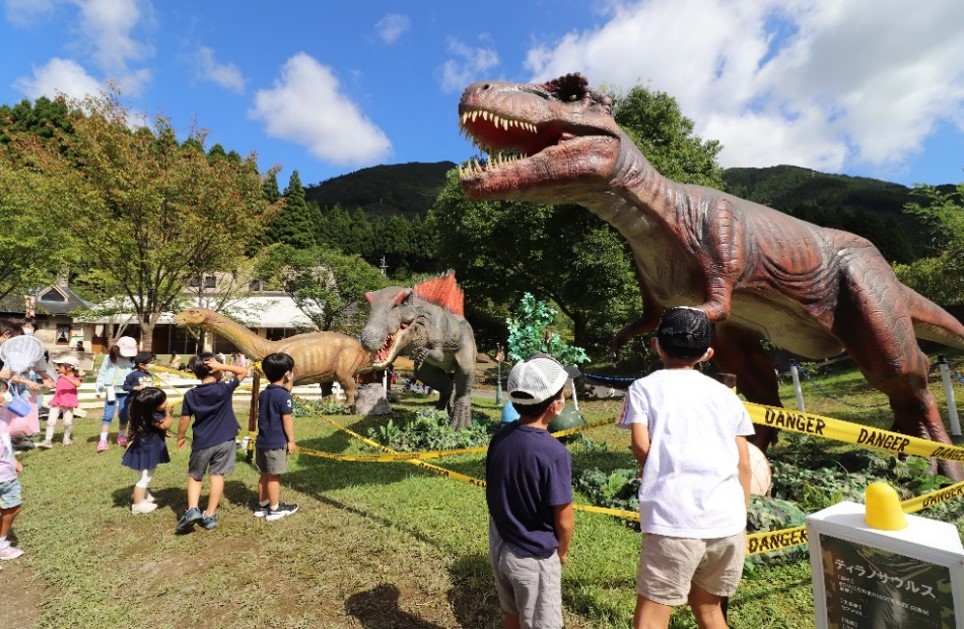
{"points": [[374, 544]]}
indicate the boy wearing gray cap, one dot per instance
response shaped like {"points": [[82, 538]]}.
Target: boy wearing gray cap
{"points": [[689, 436], [529, 494]]}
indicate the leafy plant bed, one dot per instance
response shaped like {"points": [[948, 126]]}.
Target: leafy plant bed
{"points": [[431, 429], [807, 476]]}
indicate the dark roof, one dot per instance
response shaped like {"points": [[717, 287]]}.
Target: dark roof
{"points": [[55, 300]]}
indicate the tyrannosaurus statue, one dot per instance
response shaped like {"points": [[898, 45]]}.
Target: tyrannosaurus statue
{"points": [[756, 272], [319, 356], [426, 323]]}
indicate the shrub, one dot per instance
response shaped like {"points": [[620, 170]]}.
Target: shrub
{"points": [[431, 429]]}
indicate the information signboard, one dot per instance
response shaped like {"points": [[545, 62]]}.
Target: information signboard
{"points": [[864, 577]]}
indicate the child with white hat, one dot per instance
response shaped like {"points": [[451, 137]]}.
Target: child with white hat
{"points": [[65, 398]]}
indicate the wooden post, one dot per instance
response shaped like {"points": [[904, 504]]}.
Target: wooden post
{"points": [[253, 415]]}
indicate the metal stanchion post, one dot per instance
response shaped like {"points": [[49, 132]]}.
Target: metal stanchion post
{"points": [[949, 395], [795, 374]]}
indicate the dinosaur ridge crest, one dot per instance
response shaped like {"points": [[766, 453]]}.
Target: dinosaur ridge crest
{"points": [[444, 292]]}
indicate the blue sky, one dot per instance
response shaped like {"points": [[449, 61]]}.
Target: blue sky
{"points": [[860, 87]]}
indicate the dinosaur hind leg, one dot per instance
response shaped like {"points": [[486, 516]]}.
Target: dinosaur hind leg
{"points": [[739, 350], [878, 333]]}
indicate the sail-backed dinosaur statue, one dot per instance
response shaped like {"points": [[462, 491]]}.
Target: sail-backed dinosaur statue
{"points": [[756, 272], [427, 324], [319, 356]]}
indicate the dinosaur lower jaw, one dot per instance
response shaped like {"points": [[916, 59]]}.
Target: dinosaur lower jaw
{"points": [[552, 175]]}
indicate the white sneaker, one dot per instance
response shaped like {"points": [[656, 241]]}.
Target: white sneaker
{"points": [[143, 507], [68, 441], [46, 444]]}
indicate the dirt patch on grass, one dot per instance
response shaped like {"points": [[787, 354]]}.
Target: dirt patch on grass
{"points": [[22, 595]]}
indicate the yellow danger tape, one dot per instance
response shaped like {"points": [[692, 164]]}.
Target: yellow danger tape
{"points": [[770, 541], [756, 543], [847, 432]]}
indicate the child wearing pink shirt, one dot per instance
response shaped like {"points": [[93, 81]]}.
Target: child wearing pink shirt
{"points": [[65, 399]]}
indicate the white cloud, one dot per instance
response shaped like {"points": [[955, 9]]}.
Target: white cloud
{"points": [[391, 27], [108, 25], [816, 83], [306, 107], [26, 12], [469, 66], [59, 76], [227, 75]]}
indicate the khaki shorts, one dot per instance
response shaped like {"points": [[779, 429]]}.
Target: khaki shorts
{"points": [[668, 566], [527, 586]]}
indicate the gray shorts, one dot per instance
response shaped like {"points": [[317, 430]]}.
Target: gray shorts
{"points": [[668, 566], [215, 461], [274, 461], [527, 586]]}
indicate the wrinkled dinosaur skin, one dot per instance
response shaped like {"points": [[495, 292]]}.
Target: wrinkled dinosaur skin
{"points": [[318, 356], [439, 341], [756, 272]]}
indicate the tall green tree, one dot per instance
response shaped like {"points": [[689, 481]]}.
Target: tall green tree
{"points": [[149, 212], [33, 210], [665, 136], [938, 277], [327, 286], [297, 223]]}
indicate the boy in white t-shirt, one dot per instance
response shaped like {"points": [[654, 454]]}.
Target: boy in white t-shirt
{"points": [[689, 436]]}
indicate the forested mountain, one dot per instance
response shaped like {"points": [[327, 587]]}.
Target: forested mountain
{"points": [[407, 189], [869, 207]]}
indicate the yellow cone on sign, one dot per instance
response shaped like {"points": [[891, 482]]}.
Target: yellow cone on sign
{"points": [[883, 508]]}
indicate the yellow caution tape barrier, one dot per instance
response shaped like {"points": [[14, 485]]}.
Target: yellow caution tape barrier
{"points": [[756, 543], [770, 541], [847, 432]]}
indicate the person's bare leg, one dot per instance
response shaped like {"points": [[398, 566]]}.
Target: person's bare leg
{"points": [[274, 489], [214, 497], [650, 614], [707, 608], [193, 492], [7, 516]]}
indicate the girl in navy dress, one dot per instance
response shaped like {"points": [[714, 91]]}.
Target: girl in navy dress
{"points": [[150, 417]]}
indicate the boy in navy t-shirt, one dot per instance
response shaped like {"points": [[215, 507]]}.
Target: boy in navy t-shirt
{"points": [[529, 494], [215, 431], [276, 436]]}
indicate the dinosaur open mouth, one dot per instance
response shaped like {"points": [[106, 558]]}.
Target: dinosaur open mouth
{"points": [[389, 349], [506, 141]]}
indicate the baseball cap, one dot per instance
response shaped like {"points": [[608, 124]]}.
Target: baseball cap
{"points": [[127, 346], [535, 379], [684, 332]]}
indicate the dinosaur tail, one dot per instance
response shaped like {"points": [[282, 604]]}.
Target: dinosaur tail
{"points": [[933, 323]]}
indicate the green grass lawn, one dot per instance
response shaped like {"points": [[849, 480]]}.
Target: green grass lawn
{"points": [[374, 544]]}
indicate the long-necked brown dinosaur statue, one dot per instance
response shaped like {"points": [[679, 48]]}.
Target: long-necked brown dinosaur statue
{"points": [[319, 356], [756, 272]]}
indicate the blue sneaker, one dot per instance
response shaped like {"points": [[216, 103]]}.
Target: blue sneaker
{"points": [[209, 522], [186, 523]]}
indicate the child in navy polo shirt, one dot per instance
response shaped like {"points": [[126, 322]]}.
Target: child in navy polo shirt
{"points": [[215, 431], [276, 436], [529, 494]]}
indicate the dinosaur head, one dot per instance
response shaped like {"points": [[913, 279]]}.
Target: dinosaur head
{"points": [[191, 317], [389, 329], [543, 140]]}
